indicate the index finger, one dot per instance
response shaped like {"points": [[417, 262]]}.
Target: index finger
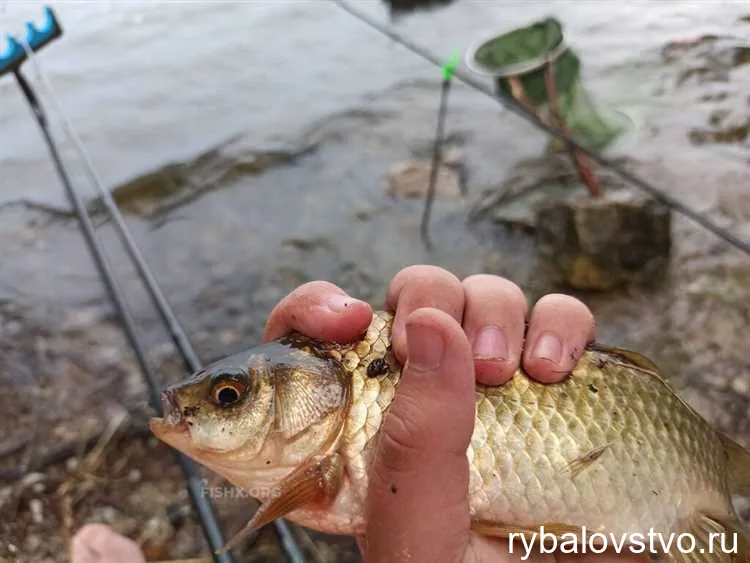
{"points": [[320, 310]]}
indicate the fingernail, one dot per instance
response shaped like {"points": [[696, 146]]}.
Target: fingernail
{"points": [[547, 347], [339, 303], [424, 347], [490, 343]]}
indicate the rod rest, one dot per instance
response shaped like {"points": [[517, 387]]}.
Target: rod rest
{"points": [[12, 53]]}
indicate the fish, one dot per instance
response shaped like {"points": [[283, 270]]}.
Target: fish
{"points": [[613, 449]]}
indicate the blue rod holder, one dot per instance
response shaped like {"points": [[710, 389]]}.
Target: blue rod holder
{"points": [[12, 53]]}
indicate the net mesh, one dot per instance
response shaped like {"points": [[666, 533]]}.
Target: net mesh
{"points": [[522, 54]]}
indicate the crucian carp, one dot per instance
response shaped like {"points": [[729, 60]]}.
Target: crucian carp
{"points": [[610, 449]]}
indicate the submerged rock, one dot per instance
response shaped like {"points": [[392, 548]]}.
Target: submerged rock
{"points": [[411, 179], [724, 126], [177, 184], [733, 202], [600, 243]]}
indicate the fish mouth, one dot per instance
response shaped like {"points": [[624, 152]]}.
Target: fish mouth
{"points": [[171, 420]]}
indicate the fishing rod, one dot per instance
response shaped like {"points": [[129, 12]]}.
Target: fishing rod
{"points": [[200, 502], [35, 40], [512, 105], [13, 64]]}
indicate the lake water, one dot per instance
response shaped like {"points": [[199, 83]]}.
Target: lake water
{"points": [[146, 83]]}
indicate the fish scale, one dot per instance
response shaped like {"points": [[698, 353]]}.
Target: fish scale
{"points": [[611, 448], [535, 431], [527, 434]]}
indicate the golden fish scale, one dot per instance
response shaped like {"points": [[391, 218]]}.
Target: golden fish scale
{"points": [[370, 396], [658, 463]]}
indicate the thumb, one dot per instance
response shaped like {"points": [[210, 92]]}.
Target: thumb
{"points": [[417, 508]]}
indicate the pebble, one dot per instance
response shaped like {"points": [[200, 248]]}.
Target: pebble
{"points": [[33, 542], [733, 202], [31, 479], [107, 356], [5, 495], [741, 385], [134, 475], [157, 530], [11, 328], [82, 319], [104, 514], [36, 507]]}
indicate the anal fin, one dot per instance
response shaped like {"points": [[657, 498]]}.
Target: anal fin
{"points": [[720, 539], [503, 530], [314, 483]]}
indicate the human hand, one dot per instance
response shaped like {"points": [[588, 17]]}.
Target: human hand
{"points": [[97, 543], [427, 431], [558, 330]]}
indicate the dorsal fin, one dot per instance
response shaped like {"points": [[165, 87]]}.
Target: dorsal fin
{"points": [[638, 360]]}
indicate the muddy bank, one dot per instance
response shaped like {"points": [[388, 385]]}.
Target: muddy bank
{"points": [[227, 252]]}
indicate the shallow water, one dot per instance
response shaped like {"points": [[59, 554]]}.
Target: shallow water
{"points": [[145, 83]]}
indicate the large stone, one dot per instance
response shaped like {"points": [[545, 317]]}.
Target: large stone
{"points": [[601, 243]]}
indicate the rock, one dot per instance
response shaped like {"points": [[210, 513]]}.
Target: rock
{"points": [[734, 202], [31, 479], [155, 536], [32, 543], [81, 320], [119, 522], [725, 127], [410, 180], [600, 243], [37, 512], [178, 183]]}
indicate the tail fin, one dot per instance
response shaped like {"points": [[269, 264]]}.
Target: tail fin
{"points": [[738, 466]]}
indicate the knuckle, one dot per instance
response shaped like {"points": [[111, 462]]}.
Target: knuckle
{"points": [[499, 287], [422, 274], [314, 289], [568, 304], [291, 310], [307, 295]]}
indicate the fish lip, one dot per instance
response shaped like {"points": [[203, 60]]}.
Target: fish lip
{"points": [[171, 411]]}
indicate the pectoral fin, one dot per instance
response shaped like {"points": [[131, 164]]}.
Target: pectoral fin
{"points": [[313, 484]]}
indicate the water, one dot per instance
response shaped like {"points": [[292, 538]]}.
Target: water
{"points": [[146, 83], [151, 83]]}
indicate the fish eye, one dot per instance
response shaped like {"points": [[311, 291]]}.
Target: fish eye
{"points": [[228, 392]]}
